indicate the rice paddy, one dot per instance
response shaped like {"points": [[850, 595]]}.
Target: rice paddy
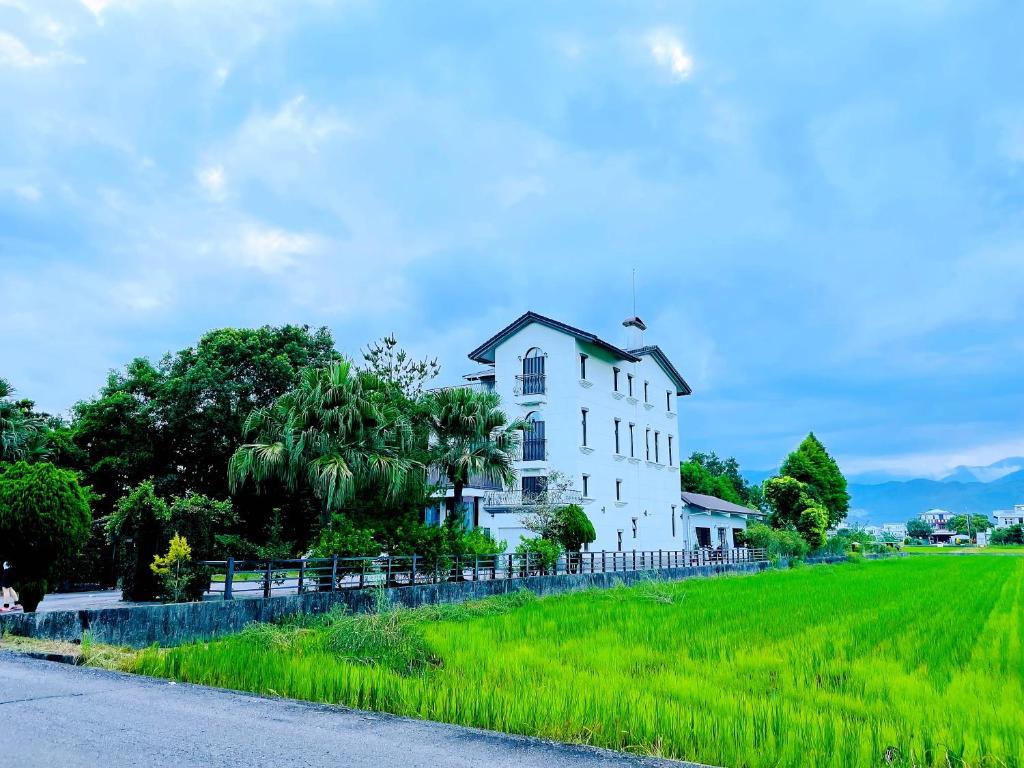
{"points": [[917, 661]]}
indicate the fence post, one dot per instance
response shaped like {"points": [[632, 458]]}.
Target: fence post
{"points": [[387, 578], [334, 572], [527, 562], [362, 573], [229, 578], [634, 559], [413, 577], [302, 573], [476, 568], [508, 573], [270, 576]]}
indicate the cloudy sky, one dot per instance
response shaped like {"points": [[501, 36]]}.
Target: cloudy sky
{"points": [[824, 206]]}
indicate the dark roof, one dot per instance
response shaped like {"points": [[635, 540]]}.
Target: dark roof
{"points": [[485, 352], [682, 388], [715, 504]]}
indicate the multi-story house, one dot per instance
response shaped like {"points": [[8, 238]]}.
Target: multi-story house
{"points": [[897, 530], [605, 418], [1006, 517]]}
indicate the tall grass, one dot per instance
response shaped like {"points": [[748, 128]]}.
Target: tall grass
{"points": [[911, 662]]}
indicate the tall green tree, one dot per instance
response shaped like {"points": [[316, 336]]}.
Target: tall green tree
{"points": [[44, 520], [811, 464], [337, 428], [794, 507], [708, 474], [969, 525], [471, 435], [22, 432], [918, 528]]}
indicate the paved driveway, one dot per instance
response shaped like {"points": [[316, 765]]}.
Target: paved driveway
{"points": [[58, 715]]}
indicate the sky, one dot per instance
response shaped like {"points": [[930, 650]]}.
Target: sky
{"points": [[823, 202]]}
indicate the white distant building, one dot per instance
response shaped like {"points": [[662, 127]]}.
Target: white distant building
{"points": [[607, 418], [896, 530], [1006, 517], [939, 519]]}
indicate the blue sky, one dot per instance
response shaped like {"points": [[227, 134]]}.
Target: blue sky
{"points": [[824, 203]]}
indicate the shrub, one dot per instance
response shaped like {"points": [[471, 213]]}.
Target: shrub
{"points": [[479, 542], [175, 571], [543, 554], [575, 528], [777, 542], [136, 528], [1013, 534], [44, 520], [342, 538]]}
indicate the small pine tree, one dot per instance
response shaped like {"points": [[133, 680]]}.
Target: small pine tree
{"points": [[174, 570]]}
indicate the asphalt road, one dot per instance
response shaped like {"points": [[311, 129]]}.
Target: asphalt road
{"points": [[58, 715]]}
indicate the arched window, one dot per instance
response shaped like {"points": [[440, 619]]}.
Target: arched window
{"points": [[533, 438], [533, 372]]}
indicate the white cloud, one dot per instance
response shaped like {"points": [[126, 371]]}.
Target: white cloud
{"points": [[273, 250], [213, 180], [28, 192], [17, 54], [668, 51], [935, 464]]}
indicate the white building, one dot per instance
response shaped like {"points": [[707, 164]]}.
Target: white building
{"points": [[896, 530], [712, 522], [603, 416], [1006, 517]]}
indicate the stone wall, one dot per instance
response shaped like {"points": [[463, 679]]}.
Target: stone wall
{"points": [[169, 625]]}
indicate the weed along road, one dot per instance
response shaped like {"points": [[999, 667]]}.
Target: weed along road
{"points": [[55, 714]]}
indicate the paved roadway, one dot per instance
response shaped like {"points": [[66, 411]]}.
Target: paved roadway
{"points": [[58, 715]]}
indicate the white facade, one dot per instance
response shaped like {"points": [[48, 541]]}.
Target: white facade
{"points": [[588, 392], [1005, 517], [896, 530]]}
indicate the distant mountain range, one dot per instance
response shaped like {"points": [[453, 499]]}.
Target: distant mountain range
{"points": [[980, 490]]}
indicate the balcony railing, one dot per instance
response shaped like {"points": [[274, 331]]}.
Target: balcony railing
{"points": [[530, 384], [517, 499], [533, 449], [435, 478]]}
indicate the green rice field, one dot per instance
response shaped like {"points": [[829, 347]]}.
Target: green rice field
{"points": [[910, 661]]}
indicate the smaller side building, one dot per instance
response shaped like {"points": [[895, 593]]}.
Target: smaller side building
{"points": [[1007, 517], [710, 522]]}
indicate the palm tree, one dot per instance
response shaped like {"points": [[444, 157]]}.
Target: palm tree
{"points": [[22, 434], [337, 428], [471, 435]]}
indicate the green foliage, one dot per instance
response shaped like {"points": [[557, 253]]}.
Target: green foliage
{"points": [[339, 427], [575, 529], [812, 525], [706, 473], [1013, 534], [471, 437], [44, 520], [391, 363], [834, 671], [24, 434], [969, 526], [543, 554], [137, 530], [811, 464], [342, 538], [175, 570], [919, 529], [793, 507], [479, 542], [778, 542]]}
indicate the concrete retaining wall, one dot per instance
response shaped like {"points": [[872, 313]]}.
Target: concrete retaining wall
{"points": [[169, 625]]}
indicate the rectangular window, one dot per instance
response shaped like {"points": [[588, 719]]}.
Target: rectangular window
{"points": [[673, 521], [583, 366], [670, 450], [634, 527], [583, 424], [615, 379], [586, 486], [629, 381], [646, 400], [647, 443], [657, 447], [632, 451], [703, 537], [619, 534], [668, 401], [618, 490], [533, 486], [617, 423]]}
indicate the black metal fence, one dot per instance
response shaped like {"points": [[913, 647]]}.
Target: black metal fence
{"points": [[263, 578]]}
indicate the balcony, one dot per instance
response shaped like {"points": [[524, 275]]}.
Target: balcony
{"points": [[530, 388], [533, 449], [519, 500], [435, 478]]}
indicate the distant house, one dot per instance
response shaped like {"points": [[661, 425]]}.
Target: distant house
{"points": [[939, 519], [897, 530], [712, 522], [1007, 517]]}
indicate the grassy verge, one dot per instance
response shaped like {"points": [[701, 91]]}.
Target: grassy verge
{"points": [[912, 662], [1001, 549], [89, 653]]}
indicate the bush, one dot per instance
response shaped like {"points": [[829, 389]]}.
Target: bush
{"points": [[137, 529], [778, 542], [480, 543], [44, 521], [1013, 534], [343, 539], [575, 528], [175, 571], [543, 554]]}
